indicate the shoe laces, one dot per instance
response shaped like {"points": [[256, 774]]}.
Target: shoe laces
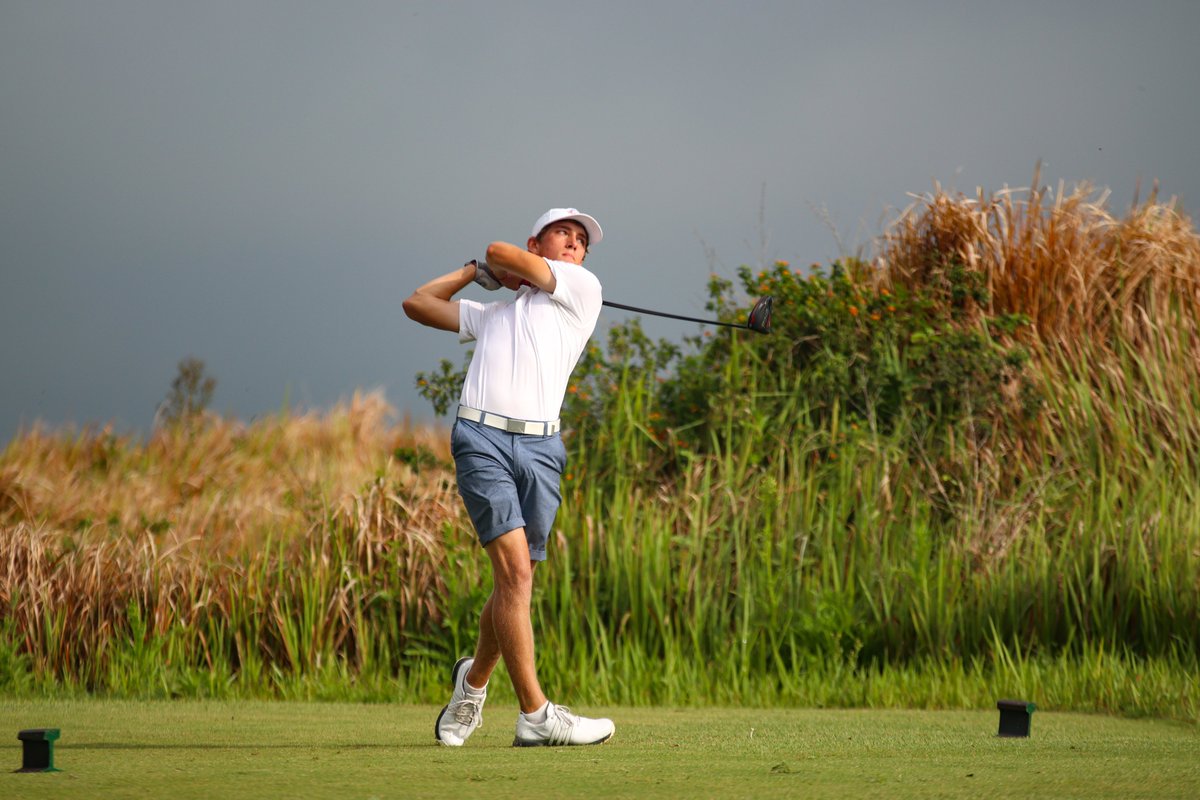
{"points": [[468, 711], [565, 716]]}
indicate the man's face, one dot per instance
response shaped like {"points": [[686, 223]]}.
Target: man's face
{"points": [[565, 240]]}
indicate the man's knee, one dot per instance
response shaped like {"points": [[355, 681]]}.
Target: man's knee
{"points": [[512, 569]]}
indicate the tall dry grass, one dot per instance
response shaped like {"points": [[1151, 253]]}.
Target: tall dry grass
{"points": [[1082, 275], [1114, 302], [287, 542], [217, 485]]}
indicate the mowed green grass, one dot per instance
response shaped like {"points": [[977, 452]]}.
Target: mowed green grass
{"points": [[189, 749]]}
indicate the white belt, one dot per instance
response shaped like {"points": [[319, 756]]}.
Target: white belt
{"points": [[509, 424]]}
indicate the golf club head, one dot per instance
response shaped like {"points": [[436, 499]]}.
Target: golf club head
{"points": [[760, 315]]}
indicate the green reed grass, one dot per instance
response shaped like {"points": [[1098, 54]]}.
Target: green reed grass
{"points": [[834, 554], [823, 576]]}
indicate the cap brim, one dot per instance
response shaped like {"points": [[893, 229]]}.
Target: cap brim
{"points": [[594, 232], [591, 226]]}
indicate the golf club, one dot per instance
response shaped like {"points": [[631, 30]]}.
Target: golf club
{"points": [[759, 320]]}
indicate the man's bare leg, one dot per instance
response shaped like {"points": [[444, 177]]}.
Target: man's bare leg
{"points": [[505, 627]]}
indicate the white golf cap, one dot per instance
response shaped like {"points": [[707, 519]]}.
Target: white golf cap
{"points": [[555, 214]]}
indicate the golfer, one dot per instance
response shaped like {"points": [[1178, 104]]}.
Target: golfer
{"points": [[508, 453]]}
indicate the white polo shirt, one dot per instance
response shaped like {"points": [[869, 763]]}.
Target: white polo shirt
{"points": [[526, 347]]}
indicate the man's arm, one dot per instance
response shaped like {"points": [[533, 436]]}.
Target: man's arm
{"points": [[531, 267], [432, 305]]}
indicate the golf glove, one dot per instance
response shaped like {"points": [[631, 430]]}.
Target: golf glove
{"points": [[484, 276]]}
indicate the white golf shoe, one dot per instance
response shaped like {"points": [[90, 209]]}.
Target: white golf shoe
{"points": [[464, 713], [562, 728]]}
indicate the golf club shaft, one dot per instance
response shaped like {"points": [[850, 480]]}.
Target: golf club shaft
{"points": [[675, 316]]}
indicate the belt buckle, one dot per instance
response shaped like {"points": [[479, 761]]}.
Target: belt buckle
{"points": [[515, 426]]}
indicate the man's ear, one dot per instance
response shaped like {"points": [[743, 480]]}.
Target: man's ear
{"points": [[533, 245]]}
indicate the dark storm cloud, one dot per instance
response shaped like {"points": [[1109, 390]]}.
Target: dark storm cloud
{"points": [[259, 184]]}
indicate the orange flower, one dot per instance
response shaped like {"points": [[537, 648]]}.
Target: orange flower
{"points": [[572, 389], [892, 309], [782, 264], [876, 317], [854, 311]]}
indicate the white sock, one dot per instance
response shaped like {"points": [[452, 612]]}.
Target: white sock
{"points": [[539, 716], [471, 691]]}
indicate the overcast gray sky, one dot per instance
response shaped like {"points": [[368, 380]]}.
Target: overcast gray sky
{"points": [[260, 184]]}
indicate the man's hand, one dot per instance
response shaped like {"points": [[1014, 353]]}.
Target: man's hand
{"points": [[484, 275], [512, 265]]}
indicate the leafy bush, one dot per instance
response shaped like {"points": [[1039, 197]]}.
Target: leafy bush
{"points": [[846, 353]]}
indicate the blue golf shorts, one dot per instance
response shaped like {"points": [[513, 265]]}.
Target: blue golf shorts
{"points": [[508, 481]]}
